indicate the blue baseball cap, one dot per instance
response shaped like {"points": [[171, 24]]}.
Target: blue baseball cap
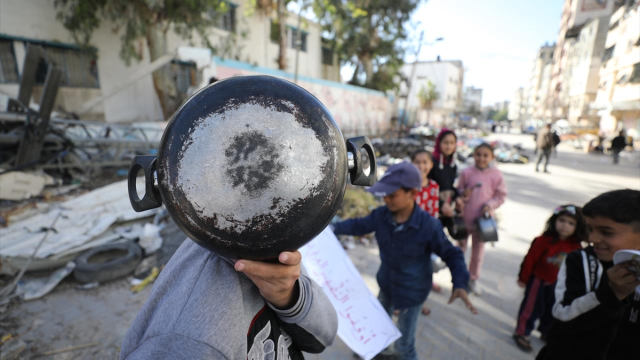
{"points": [[402, 175]]}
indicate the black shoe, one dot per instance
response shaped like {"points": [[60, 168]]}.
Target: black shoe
{"points": [[522, 343], [386, 357]]}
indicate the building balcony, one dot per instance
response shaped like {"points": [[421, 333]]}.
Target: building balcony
{"points": [[625, 93]]}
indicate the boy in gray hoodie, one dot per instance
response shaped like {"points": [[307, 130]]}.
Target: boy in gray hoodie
{"points": [[205, 306]]}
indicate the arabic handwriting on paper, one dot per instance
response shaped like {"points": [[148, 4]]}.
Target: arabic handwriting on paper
{"points": [[363, 324], [340, 291]]}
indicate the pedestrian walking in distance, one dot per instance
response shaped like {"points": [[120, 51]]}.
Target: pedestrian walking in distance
{"points": [[483, 189], [617, 146], [564, 232], [544, 146]]}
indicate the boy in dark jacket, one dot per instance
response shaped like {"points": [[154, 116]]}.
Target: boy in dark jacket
{"points": [[598, 303], [407, 236]]}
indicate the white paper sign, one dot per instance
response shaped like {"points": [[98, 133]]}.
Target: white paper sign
{"points": [[629, 255], [362, 322]]}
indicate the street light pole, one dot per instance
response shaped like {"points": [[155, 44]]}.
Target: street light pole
{"points": [[413, 73], [410, 81]]}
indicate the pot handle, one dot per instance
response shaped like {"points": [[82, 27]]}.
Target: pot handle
{"points": [[356, 169], [151, 198]]}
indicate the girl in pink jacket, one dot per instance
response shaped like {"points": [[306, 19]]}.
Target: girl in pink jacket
{"points": [[483, 190]]}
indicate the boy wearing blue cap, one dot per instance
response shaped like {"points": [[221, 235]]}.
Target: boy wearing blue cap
{"points": [[407, 236]]}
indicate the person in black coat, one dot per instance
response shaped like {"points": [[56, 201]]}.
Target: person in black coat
{"points": [[617, 146], [444, 172]]}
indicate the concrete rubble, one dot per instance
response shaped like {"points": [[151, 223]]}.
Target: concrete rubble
{"points": [[95, 218]]}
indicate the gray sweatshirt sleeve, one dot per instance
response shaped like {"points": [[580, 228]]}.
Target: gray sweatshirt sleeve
{"points": [[174, 346], [312, 322]]}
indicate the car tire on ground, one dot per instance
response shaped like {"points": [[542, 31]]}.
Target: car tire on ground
{"points": [[107, 262]]}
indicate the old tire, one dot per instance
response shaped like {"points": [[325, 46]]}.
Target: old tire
{"points": [[107, 262]]}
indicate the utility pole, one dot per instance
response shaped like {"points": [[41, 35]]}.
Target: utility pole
{"points": [[413, 73], [298, 39], [282, 35], [405, 118]]}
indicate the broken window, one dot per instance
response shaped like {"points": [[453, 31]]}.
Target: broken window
{"points": [[227, 20], [185, 75], [79, 67], [8, 65], [623, 79], [608, 54], [635, 75], [301, 41], [275, 31], [292, 36], [327, 56]]}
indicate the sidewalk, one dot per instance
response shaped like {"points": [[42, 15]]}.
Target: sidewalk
{"points": [[451, 332]]}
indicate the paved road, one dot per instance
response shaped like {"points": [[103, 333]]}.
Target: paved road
{"points": [[451, 332]]}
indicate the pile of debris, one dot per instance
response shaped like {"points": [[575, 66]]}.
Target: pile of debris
{"points": [[97, 236], [503, 152]]}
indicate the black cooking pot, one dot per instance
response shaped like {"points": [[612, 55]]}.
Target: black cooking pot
{"points": [[251, 166], [457, 228], [487, 228]]}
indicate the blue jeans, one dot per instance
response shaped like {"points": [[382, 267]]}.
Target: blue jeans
{"points": [[407, 324]]}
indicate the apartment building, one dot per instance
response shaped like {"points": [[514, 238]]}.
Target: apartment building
{"points": [[536, 94], [618, 97], [575, 14], [583, 75]]}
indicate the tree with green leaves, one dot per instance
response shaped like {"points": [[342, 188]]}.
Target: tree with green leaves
{"points": [[473, 110], [370, 35], [501, 115], [148, 21], [266, 7], [428, 95]]}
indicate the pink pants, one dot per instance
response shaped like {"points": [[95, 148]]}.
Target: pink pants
{"points": [[477, 254]]}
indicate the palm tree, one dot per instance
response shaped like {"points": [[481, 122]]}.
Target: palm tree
{"points": [[428, 95]]}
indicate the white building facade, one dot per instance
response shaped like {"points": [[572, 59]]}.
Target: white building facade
{"points": [[472, 98], [448, 78], [575, 14], [537, 91], [585, 59], [517, 106], [618, 97], [87, 76]]}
